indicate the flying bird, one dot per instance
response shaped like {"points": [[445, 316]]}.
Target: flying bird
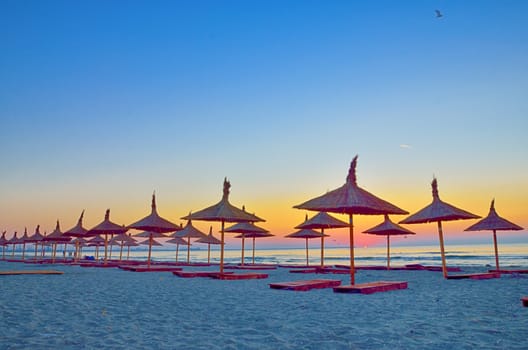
{"points": [[439, 14]]}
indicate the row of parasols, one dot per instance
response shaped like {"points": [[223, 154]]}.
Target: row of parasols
{"points": [[349, 199]]}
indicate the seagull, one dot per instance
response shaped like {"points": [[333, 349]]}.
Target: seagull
{"points": [[439, 14]]}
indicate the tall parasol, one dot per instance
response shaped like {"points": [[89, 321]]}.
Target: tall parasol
{"points": [[155, 224], [105, 228], [493, 222], [96, 242], [24, 240], [439, 211], [189, 231], [131, 242], [35, 239], [150, 235], [351, 199], [209, 239], [178, 240], [3, 243], [306, 234], [77, 231], [246, 230], [322, 221], [120, 240], [388, 228], [224, 212], [13, 241], [55, 238], [253, 236]]}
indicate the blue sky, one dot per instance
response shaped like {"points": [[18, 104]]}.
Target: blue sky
{"points": [[102, 102]]}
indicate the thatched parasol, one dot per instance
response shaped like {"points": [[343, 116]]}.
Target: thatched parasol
{"points": [[77, 231], [209, 239], [493, 222], [55, 238], [189, 231], [388, 228], [246, 229], [3, 243], [439, 211], [155, 224], [178, 240], [351, 199], [35, 239], [322, 221], [224, 212], [106, 227], [306, 234], [13, 241]]}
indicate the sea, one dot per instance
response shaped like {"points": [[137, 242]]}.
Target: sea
{"points": [[511, 255]]}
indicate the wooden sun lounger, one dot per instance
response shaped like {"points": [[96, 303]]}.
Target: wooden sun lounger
{"points": [[240, 276], [525, 301], [371, 287], [475, 276], [306, 285], [31, 272], [151, 268], [251, 267], [311, 270], [192, 274], [99, 264], [509, 271]]}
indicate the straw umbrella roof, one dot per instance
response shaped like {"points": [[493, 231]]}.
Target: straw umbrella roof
{"points": [[153, 222], [150, 242], [189, 231], [37, 236], [494, 222], [255, 235], [209, 239], [223, 211], [178, 240], [25, 237], [80, 240], [387, 227], [78, 230], [351, 199], [97, 241], [322, 220], [438, 210], [57, 235], [106, 227], [306, 233], [247, 228], [14, 239], [3, 240], [152, 234]]}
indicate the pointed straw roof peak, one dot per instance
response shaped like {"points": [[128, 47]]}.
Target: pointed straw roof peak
{"points": [[494, 222], [153, 204], [434, 186], [351, 177], [227, 186]]}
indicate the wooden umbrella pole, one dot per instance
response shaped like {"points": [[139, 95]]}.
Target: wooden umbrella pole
{"points": [[307, 262], [64, 251], [96, 253], [150, 250], [352, 267], [243, 248], [36, 248], [222, 249], [322, 247], [128, 253], [121, 250], [442, 251], [208, 253], [188, 250], [106, 248], [23, 250], [388, 252], [496, 250], [177, 251], [253, 251]]}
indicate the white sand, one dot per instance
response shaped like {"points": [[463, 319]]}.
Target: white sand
{"points": [[110, 308]]}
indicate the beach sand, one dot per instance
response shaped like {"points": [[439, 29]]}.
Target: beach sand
{"points": [[89, 308]]}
